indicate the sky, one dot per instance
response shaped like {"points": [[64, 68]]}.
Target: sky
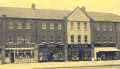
{"points": [[91, 5]]}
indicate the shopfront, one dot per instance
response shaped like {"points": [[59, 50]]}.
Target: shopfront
{"points": [[51, 52], [20, 53], [106, 53], [82, 52]]}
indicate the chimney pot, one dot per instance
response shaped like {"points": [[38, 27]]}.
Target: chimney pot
{"points": [[83, 8], [33, 6]]}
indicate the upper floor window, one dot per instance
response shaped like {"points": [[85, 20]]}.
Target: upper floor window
{"points": [[85, 25], [78, 25], [20, 39], [19, 25], [51, 38], [28, 39], [11, 25], [43, 38], [59, 26], [79, 38], [71, 25], [85, 38], [51, 26], [28, 26], [44, 26], [59, 39], [104, 27], [72, 38], [110, 28], [98, 27]]}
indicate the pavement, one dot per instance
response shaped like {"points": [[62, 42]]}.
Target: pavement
{"points": [[52, 65]]}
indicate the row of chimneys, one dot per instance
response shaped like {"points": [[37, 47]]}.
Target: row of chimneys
{"points": [[33, 6]]}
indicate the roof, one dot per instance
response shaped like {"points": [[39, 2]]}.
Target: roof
{"points": [[52, 14], [102, 16], [30, 13]]}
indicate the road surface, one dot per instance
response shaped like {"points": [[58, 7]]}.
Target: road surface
{"points": [[95, 67]]}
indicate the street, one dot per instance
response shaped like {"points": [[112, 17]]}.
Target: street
{"points": [[94, 67], [115, 64]]}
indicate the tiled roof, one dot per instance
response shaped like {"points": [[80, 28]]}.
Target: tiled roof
{"points": [[52, 14], [35, 14], [101, 16]]}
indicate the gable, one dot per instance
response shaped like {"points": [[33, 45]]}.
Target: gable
{"points": [[78, 15]]}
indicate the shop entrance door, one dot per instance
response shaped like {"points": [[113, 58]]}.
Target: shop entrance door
{"points": [[12, 57], [84, 55]]}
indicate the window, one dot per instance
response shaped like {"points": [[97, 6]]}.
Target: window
{"points": [[19, 25], [110, 28], [85, 38], [51, 39], [20, 39], [59, 26], [72, 38], [11, 25], [28, 26], [71, 25], [98, 27], [28, 39], [79, 38], [51, 26], [111, 39], [43, 38], [78, 25], [44, 26], [85, 25], [104, 27], [59, 39]]}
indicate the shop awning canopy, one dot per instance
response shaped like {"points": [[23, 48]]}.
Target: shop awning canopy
{"points": [[106, 49]]}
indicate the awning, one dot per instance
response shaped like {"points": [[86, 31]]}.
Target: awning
{"points": [[98, 49], [19, 48]]}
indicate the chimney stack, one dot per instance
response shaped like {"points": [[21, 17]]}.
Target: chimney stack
{"points": [[83, 8], [33, 6]]}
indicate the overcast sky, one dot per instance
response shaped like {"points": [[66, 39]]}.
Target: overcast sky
{"points": [[91, 5]]}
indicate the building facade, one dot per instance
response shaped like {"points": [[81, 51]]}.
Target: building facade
{"points": [[37, 35]]}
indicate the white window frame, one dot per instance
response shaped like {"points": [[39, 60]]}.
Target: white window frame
{"points": [[19, 25], [28, 25], [11, 25], [59, 26], [44, 26], [52, 26]]}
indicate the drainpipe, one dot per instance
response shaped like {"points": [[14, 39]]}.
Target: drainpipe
{"points": [[66, 41], [3, 38]]}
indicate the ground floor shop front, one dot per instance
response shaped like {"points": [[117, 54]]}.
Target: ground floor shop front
{"points": [[59, 52], [20, 55], [80, 52], [109, 53], [51, 52]]}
